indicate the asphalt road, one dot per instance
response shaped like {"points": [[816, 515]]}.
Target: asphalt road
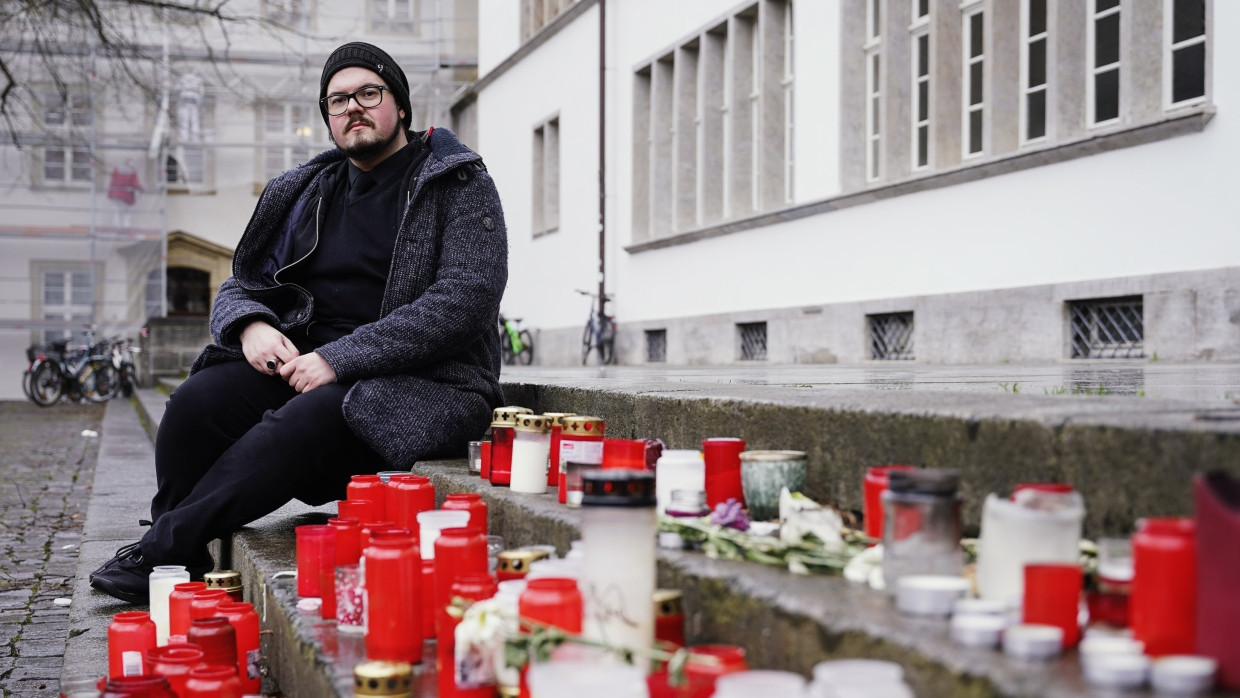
{"points": [[47, 465]]}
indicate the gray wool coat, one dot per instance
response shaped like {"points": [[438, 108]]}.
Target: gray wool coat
{"points": [[425, 376]]}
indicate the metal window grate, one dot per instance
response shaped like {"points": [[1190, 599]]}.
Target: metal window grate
{"points": [[1107, 328], [891, 336], [656, 346], [752, 336]]}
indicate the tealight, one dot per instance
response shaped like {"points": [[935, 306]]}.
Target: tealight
{"points": [[1032, 641], [1115, 669], [929, 594], [977, 629], [1183, 674]]}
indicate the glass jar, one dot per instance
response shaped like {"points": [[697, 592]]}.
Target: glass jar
{"points": [[426, 598], [1034, 525], [350, 599], [203, 603], [618, 525], [531, 448], [722, 459], [217, 638], [1163, 604], [556, 422], [921, 531], [163, 578], [244, 620], [678, 469], [316, 547], [470, 587], [393, 588], [706, 663], [553, 601], [372, 488], [144, 686], [669, 617], [131, 634], [458, 551], [173, 662], [228, 580], [874, 485], [471, 502], [363, 510], [370, 529], [687, 503], [407, 495], [212, 681], [348, 539], [178, 607], [624, 454], [581, 441], [765, 474]]}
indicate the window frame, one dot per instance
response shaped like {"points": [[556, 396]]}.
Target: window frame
{"points": [[1026, 41], [1168, 61], [73, 154], [921, 32], [292, 140], [967, 61], [1093, 16], [389, 24], [545, 178], [75, 321]]}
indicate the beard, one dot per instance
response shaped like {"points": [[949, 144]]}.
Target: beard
{"points": [[366, 146]]}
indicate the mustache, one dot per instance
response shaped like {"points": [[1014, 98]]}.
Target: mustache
{"points": [[359, 120]]}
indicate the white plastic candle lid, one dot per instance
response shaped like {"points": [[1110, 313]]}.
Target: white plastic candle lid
{"points": [[1110, 644], [980, 607], [930, 594], [1032, 641], [554, 568], [977, 629], [1183, 674], [865, 669], [511, 586], [573, 679], [747, 684], [1114, 670]]}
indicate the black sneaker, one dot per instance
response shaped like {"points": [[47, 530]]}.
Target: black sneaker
{"points": [[126, 576]]}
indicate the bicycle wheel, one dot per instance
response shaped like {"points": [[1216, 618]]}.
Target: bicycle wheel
{"points": [[587, 342], [526, 357], [46, 384], [102, 381], [505, 348]]}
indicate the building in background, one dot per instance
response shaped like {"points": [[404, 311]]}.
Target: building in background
{"points": [[788, 181], [122, 204]]}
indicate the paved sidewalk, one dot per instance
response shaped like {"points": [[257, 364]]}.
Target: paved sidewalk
{"points": [[46, 472]]}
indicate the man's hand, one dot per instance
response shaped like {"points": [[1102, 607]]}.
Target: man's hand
{"points": [[307, 372], [266, 348]]}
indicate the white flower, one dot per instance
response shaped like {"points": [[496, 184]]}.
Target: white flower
{"points": [[802, 516], [866, 567]]}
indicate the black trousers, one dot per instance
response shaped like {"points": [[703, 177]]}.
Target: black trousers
{"points": [[235, 445]]}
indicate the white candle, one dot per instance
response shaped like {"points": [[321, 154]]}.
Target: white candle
{"points": [[163, 578]]}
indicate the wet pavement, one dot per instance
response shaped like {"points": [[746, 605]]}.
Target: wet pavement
{"points": [[46, 470], [1213, 382]]}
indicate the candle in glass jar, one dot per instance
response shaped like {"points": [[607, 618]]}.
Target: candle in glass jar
{"points": [[618, 526], [581, 441], [531, 447], [162, 580]]}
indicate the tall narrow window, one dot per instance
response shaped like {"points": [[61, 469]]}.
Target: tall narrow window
{"points": [[1102, 90], [921, 98], [1033, 70], [1186, 52], [67, 117], [394, 16], [789, 121], [873, 90], [546, 177], [68, 298], [974, 80]]}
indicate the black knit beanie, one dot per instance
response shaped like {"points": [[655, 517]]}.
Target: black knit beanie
{"points": [[369, 57]]}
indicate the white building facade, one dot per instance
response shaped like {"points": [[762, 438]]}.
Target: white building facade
{"points": [[788, 181], [102, 171]]}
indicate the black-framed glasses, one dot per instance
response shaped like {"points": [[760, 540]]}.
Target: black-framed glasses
{"points": [[367, 97]]}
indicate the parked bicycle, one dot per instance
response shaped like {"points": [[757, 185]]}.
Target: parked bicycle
{"points": [[515, 344], [600, 331], [85, 373]]}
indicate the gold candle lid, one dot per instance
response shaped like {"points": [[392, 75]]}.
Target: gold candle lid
{"points": [[668, 602], [223, 579], [382, 678], [582, 425], [518, 561], [508, 415], [532, 424], [557, 418], [509, 691]]}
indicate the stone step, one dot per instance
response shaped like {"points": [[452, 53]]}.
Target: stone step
{"points": [[1140, 452]]}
